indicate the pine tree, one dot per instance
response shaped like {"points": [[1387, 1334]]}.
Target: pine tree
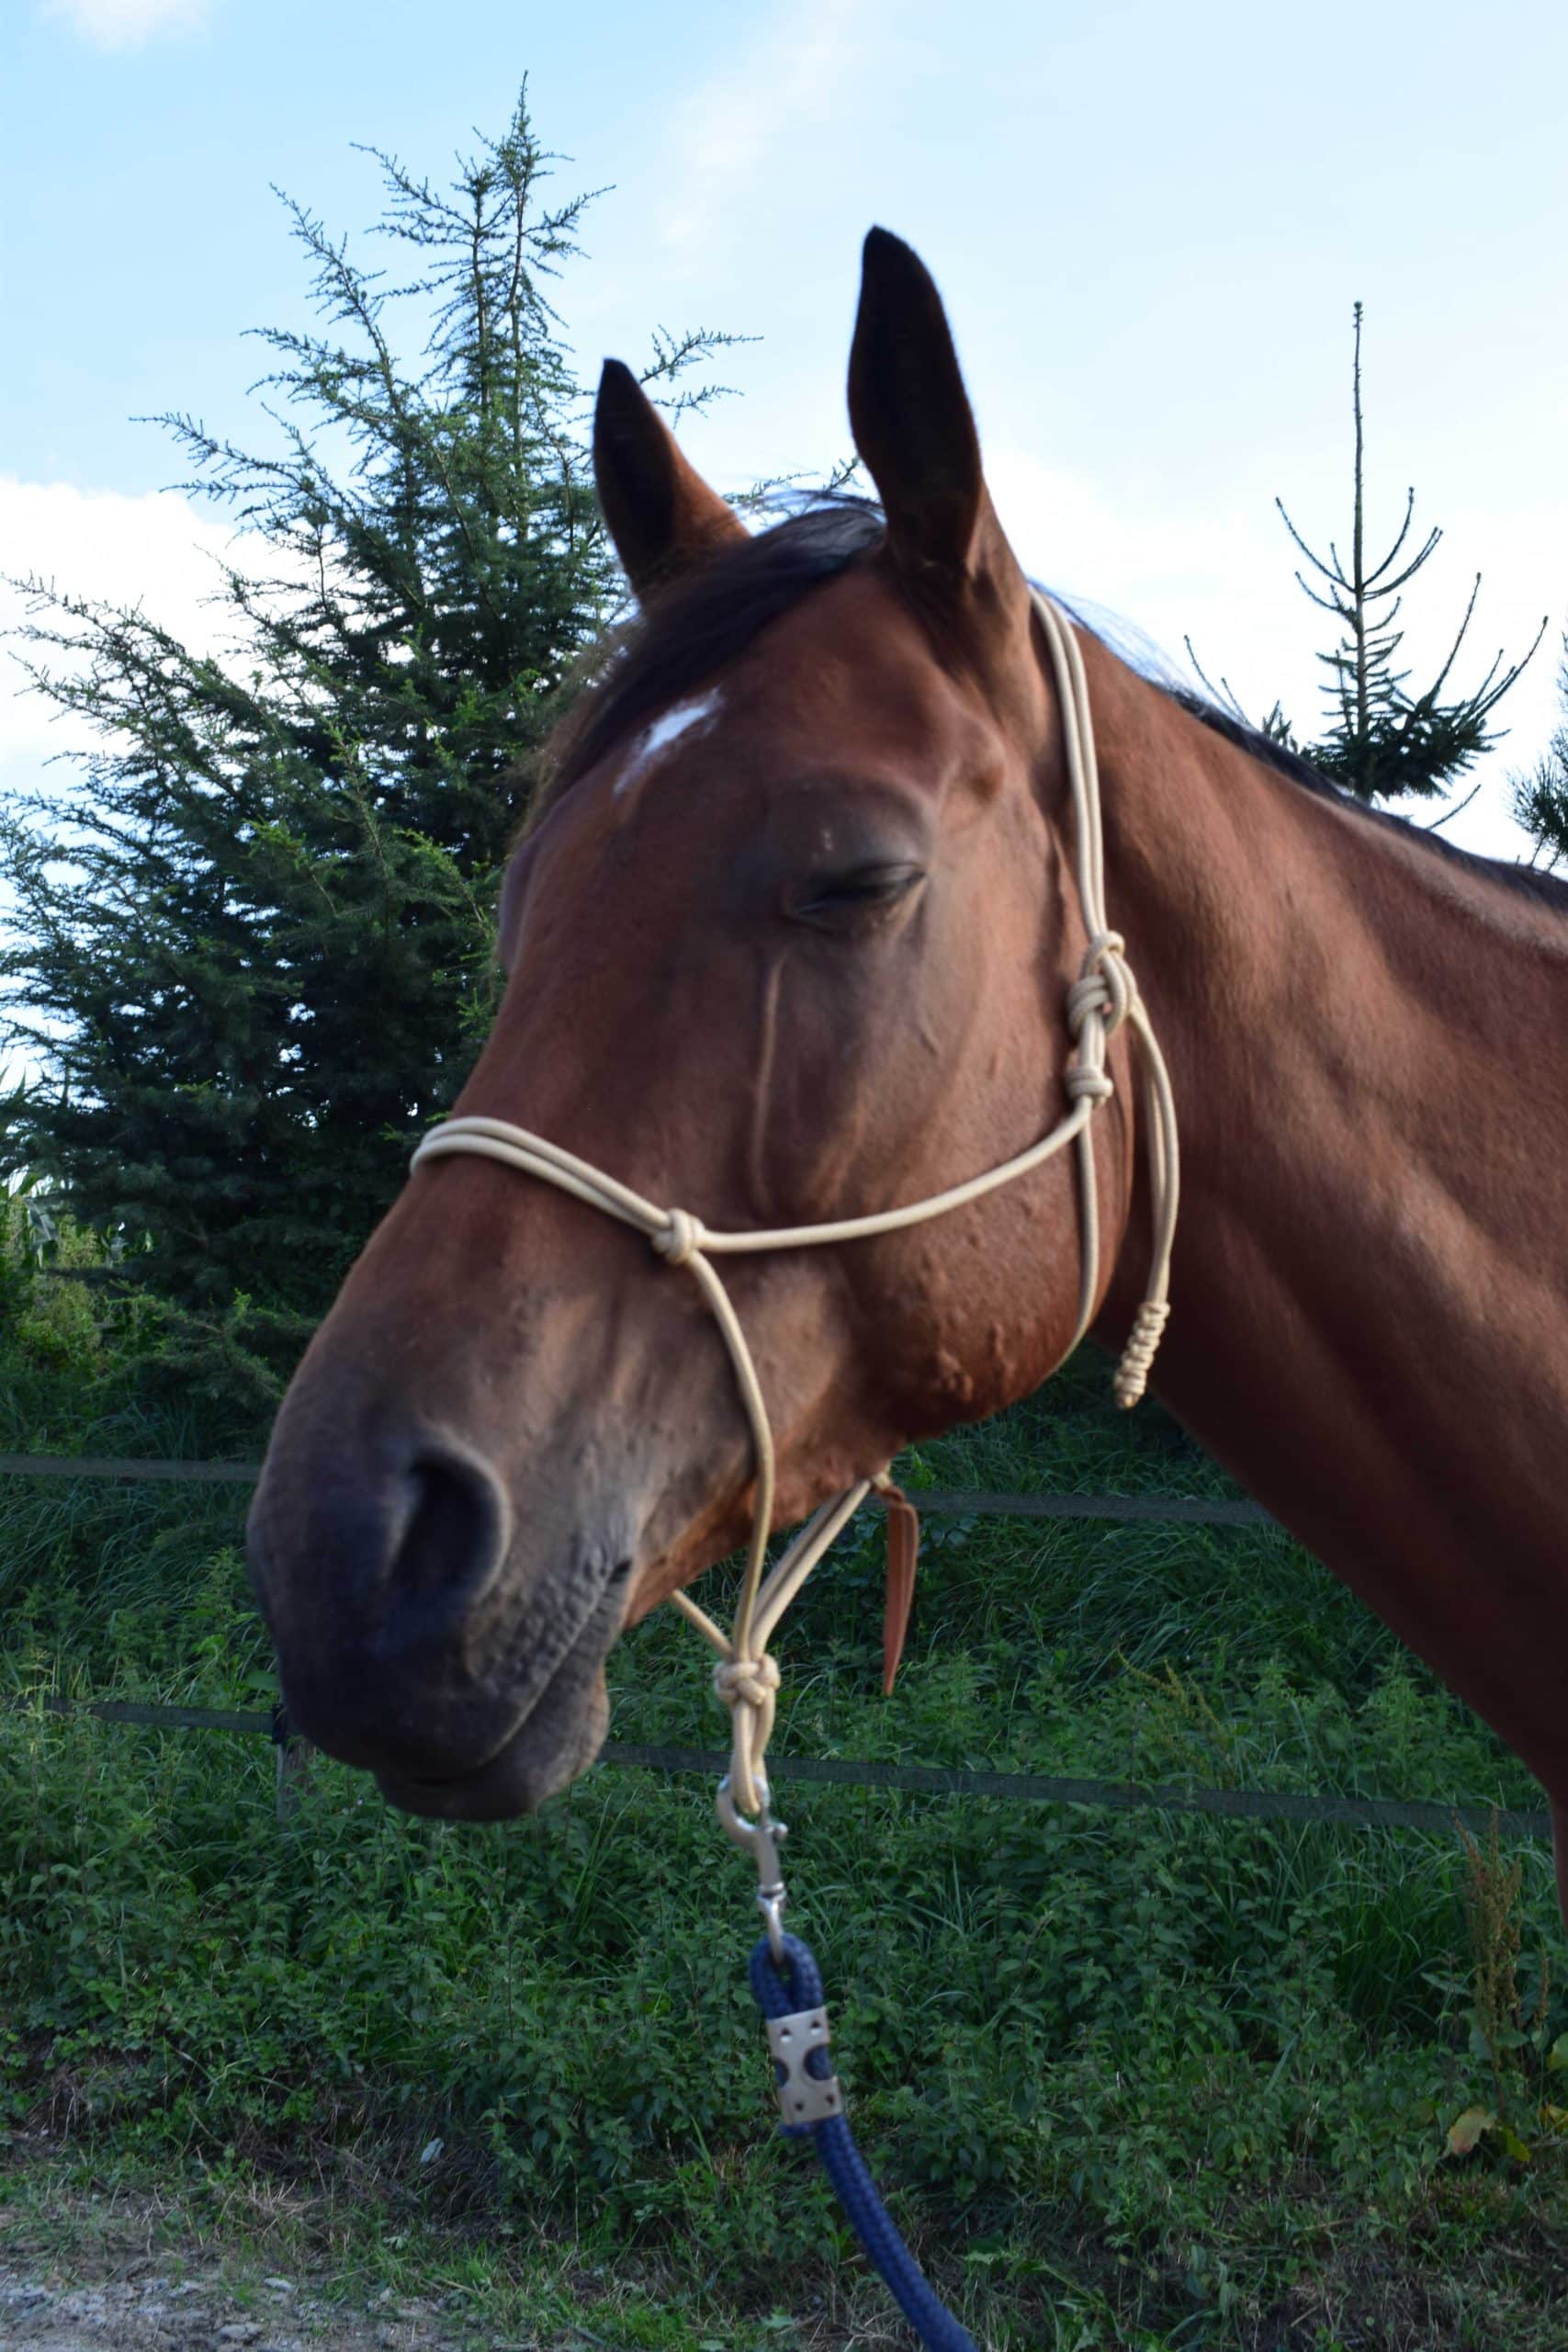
{"points": [[1385, 742], [252, 946], [1540, 798]]}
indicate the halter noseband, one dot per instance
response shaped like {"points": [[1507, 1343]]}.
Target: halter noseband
{"points": [[1103, 996]]}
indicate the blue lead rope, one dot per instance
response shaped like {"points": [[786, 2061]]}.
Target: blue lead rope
{"points": [[841, 2161]]}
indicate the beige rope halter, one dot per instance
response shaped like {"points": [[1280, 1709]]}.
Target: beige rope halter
{"points": [[1103, 996]]}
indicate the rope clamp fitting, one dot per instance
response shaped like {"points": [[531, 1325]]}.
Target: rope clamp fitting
{"points": [[760, 1839], [804, 2098]]}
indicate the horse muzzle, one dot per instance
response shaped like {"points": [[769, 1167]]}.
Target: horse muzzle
{"points": [[423, 1633]]}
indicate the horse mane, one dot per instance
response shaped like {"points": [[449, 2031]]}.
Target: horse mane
{"points": [[1532, 881], [693, 628]]}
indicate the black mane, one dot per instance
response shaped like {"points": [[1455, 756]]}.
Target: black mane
{"points": [[1530, 880], [697, 627]]}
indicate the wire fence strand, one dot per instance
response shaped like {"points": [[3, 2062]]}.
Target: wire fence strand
{"points": [[1027, 1788], [920, 1779], [939, 1502]]}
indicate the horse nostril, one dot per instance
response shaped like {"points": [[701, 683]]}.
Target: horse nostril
{"points": [[454, 1538]]}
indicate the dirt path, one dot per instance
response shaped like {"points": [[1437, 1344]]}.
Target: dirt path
{"points": [[157, 2313]]}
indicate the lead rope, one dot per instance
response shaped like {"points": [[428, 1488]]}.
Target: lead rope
{"points": [[1101, 1000]]}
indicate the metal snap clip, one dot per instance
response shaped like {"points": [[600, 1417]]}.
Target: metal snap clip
{"points": [[760, 1839]]}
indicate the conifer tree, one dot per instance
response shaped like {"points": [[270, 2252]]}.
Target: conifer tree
{"points": [[1540, 798], [1385, 742], [251, 942]]}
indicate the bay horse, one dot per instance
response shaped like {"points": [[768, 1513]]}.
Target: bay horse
{"points": [[788, 942]]}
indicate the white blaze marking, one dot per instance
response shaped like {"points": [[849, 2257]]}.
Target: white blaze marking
{"points": [[667, 729]]}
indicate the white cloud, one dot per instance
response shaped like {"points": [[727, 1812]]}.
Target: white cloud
{"points": [[788, 77], [157, 551], [126, 24]]}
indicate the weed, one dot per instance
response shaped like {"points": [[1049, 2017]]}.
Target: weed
{"points": [[1508, 2031]]}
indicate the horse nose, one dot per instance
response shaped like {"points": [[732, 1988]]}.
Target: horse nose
{"points": [[372, 1574], [382, 1548], [444, 1544]]}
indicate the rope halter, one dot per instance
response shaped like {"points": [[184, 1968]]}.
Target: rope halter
{"points": [[1103, 999]]}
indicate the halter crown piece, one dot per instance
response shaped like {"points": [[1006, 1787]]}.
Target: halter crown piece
{"points": [[1099, 1001]]}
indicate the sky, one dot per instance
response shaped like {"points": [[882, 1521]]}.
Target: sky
{"points": [[1149, 226]]}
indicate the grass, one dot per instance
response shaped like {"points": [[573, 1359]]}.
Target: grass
{"points": [[1129, 2080]]}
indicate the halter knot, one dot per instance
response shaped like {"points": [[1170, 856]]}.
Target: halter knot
{"points": [[1104, 984], [680, 1237], [753, 1681], [748, 1687], [1084, 1081]]}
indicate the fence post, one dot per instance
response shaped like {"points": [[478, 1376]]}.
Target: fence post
{"points": [[293, 1754]]}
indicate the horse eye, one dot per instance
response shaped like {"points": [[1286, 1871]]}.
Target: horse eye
{"points": [[835, 901]]}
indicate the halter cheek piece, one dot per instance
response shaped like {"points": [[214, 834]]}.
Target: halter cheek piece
{"points": [[1099, 1001]]}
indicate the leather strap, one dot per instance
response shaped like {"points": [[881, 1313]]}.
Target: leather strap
{"points": [[903, 1557]]}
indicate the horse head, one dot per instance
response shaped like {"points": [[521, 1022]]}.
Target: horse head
{"points": [[787, 941]]}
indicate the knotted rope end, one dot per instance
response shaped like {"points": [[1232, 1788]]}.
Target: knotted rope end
{"points": [[1138, 1355]]}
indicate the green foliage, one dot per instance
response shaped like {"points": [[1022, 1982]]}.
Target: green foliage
{"points": [[87, 1368], [1509, 2025], [47, 1323], [253, 942]]}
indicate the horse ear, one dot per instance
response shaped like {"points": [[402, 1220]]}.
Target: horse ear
{"points": [[912, 422], [662, 516]]}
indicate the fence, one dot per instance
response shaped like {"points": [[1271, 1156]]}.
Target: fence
{"points": [[1030, 1788], [936, 1503]]}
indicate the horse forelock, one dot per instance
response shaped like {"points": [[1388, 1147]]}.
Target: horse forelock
{"points": [[674, 649]]}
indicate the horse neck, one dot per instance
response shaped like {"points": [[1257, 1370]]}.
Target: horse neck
{"points": [[1370, 1291]]}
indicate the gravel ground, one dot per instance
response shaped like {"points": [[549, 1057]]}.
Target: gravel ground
{"points": [[158, 2313]]}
